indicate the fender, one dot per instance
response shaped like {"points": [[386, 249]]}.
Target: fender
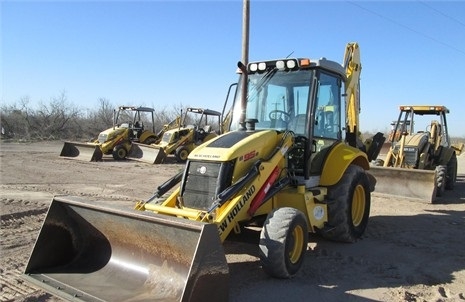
{"points": [[145, 135], [446, 155], [337, 161]]}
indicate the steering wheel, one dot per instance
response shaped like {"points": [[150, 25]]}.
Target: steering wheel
{"points": [[273, 115]]}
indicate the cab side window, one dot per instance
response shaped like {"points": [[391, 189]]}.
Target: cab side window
{"points": [[328, 108]]}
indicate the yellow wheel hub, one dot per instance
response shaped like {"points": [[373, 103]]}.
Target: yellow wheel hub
{"points": [[296, 246], [358, 205]]}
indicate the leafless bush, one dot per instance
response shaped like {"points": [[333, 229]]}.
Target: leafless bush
{"points": [[60, 119], [98, 120]]}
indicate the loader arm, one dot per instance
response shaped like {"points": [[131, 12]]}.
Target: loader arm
{"points": [[233, 204], [396, 159]]}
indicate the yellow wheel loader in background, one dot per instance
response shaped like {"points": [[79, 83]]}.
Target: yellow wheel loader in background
{"points": [[128, 127], [289, 165], [180, 141], [419, 164]]}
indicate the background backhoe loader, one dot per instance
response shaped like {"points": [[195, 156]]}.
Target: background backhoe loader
{"points": [[128, 127], [419, 164], [290, 167], [198, 126]]}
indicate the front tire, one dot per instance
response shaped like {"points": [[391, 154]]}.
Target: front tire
{"points": [[181, 154], [283, 242], [451, 172], [348, 206], [441, 172], [119, 152]]}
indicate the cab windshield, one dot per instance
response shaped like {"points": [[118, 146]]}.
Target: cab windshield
{"points": [[281, 100]]}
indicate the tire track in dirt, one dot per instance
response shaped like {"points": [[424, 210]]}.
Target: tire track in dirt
{"points": [[21, 221]]}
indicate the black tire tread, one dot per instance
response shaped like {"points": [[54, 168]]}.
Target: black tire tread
{"points": [[451, 176], [339, 206], [273, 241], [441, 174]]}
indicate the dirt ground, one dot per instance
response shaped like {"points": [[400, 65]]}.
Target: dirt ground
{"points": [[411, 251]]}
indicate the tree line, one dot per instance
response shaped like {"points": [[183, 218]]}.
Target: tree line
{"points": [[62, 120]]}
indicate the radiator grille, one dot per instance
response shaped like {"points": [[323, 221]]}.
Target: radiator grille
{"points": [[411, 156], [203, 183]]}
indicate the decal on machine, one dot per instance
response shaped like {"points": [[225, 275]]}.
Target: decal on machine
{"points": [[237, 208], [206, 156], [249, 155]]}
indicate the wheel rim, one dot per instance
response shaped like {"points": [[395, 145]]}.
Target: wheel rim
{"points": [[358, 205], [121, 153], [297, 240], [183, 154]]}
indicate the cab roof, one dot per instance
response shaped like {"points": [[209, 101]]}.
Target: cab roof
{"points": [[425, 109], [134, 108]]}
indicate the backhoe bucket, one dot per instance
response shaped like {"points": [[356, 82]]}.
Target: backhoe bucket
{"points": [[146, 153], [385, 148], [402, 182], [86, 252], [81, 151]]}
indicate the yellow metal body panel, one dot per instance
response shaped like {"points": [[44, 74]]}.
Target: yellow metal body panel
{"points": [[253, 147], [114, 135], [337, 161], [307, 202], [145, 135]]}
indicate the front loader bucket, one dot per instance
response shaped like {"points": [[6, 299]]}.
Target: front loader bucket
{"points": [[81, 151], [146, 153], [412, 183], [86, 252]]}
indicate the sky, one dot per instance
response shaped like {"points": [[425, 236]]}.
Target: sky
{"points": [[165, 54]]}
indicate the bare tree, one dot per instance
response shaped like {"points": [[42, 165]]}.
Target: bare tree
{"points": [[14, 119], [57, 120], [60, 119], [105, 111], [98, 120]]}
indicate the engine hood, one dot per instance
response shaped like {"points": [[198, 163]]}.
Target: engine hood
{"points": [[243, 145], [416, 140]]}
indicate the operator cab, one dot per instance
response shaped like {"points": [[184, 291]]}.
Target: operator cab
{"points": [[286, 94], [297, 95]]}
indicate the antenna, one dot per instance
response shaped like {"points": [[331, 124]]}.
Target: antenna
{"points": [[289, 54]]}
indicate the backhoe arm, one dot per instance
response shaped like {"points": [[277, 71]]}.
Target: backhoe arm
{"points": [[353, 69]]}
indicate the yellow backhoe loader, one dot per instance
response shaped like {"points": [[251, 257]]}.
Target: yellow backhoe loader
{"points": [[419, 164], [290, 164], [180, 141], [128, 128]]}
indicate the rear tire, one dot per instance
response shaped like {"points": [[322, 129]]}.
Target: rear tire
{"points": [[150, 140], [119, 152], [441, 172], [181, 154], [348, 206], [283, 242], [451, 172]]}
